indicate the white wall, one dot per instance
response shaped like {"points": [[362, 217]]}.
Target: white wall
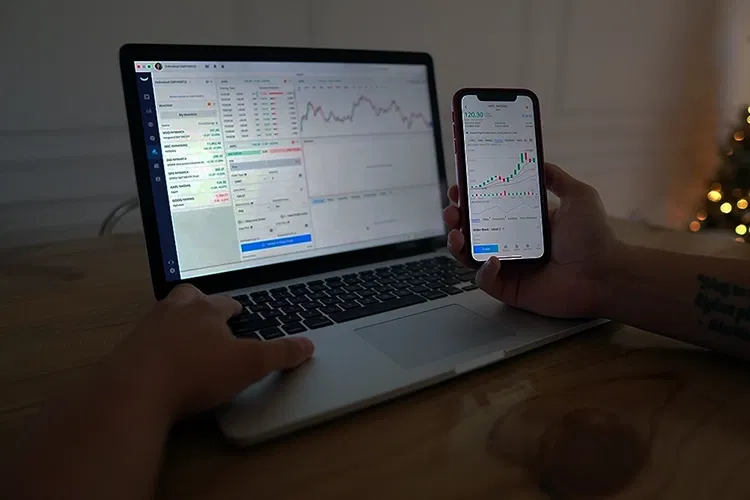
{"points": [[628, 89]]}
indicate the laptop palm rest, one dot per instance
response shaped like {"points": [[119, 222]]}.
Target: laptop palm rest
{"points": [[431, 336]]}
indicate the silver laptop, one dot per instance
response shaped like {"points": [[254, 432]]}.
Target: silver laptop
{"points": [[309, 185]]}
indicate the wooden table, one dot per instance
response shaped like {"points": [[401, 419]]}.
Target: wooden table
{"points": [[614, 412]]}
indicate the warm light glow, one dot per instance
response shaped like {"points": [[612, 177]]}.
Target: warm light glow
{"points": [[714, 196], [748, 119], [695, 226], [748, 109], [726, 207], [740, 239], [741, 229], [739, 136], [715, 186], [737, 193], [742, 204], [701, 215]]}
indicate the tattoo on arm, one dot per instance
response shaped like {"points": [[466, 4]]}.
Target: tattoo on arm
{"points": [[724, 306]]}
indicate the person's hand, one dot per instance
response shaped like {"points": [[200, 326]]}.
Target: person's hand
{"points": [[186, 356], [583, 244]]}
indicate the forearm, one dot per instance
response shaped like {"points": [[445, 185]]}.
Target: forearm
{"points": [[697, 299], [104, 441]]}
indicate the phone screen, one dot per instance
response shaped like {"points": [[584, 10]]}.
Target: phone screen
{"points": [[505, 209]]}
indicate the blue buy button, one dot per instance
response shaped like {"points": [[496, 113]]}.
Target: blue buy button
{"points": [[486, 248]]}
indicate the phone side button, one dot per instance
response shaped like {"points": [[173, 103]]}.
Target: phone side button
{"points": [[479, 362]]}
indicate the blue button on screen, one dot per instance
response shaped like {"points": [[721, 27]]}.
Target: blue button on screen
{"points": [[278, 242], [486, 248]]}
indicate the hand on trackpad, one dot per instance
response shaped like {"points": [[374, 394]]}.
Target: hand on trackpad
{"points": [[430, 336]]}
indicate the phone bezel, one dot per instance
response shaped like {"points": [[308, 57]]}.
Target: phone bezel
{"points": [[499, 95]]}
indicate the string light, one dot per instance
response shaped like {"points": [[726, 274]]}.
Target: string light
{"points": [[714, 196], [741, 229], [748, 109], [739, 136], [742, 204], [739, 239], [701, 215], [726, 207], [695, 226]]}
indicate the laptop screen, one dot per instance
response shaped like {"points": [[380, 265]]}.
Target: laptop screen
{"points": [[257, 163]]}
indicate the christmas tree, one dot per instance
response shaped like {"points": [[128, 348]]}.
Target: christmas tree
{"points": [[727, 200]]}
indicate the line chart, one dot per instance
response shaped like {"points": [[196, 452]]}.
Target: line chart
{"points": [[408, 119]]}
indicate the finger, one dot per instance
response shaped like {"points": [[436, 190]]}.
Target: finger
{"points": [[282, 354], [561, 183], [453, 193], [456, 243], [226, 307], [184, 293], [452, 217], [488, 277]]}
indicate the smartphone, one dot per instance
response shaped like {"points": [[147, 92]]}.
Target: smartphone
{"points": [[497, 139]]}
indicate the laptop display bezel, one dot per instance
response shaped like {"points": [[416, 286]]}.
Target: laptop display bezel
{"points": [[221, 282]]}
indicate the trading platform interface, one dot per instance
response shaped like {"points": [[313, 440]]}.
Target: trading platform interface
{"points": [[505, 215], [257, 163]]}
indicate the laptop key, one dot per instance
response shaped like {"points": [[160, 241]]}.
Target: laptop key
{"points": [[259, 293], [335, 284], [319, 322], [316, 288], [273, 313], [247, 335], [369, 300], [420, 289], [450, 281], [469, 288], [310, 304], [289, 318], [400, 286], [312, 313], [382, 289], [350, 305], [256, 324], [348, 297], [451, 290], [271, 333], [292, 309], [433, 294], [329, 301], [380, 307], [330, 309], [384, 297], [243, 299], [353, 288], [366, 293], [316, 295], [298, 299], [278, 303], [259, 307], [278, 289], [293, 328]]}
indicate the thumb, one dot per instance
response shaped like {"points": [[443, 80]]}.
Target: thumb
{"points": [[281, 354], [561, 183], [488, 279]]}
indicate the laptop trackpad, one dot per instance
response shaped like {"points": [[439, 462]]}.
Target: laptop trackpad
{"points": [[430, 336]]}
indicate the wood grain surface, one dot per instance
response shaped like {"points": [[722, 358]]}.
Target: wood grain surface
{"points": [[611, 413]]}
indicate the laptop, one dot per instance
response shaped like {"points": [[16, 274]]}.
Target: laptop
{"points": [[309, 184]]}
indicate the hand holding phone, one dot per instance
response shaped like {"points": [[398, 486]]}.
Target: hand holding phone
{"points": [[500, 170]]}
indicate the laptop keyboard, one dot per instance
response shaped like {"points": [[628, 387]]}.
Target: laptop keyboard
{"points": [[274, 313]]}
